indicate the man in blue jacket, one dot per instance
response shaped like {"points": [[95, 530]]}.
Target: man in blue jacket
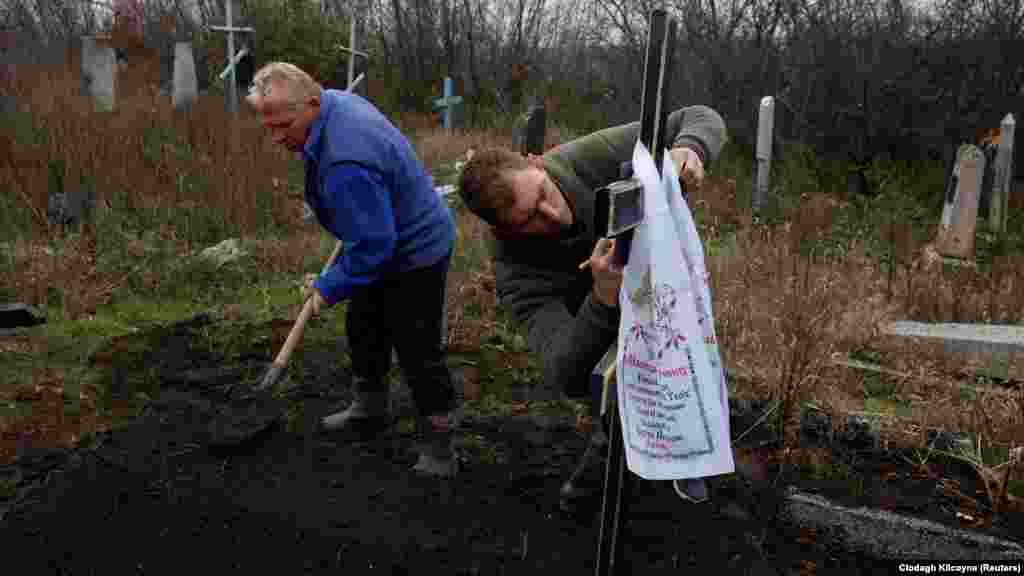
{"points": [[366, 186]]}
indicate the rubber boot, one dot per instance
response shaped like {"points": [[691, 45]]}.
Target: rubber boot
{"points": [[437, 452], [366, 416], [587, 479], [437, 432]]}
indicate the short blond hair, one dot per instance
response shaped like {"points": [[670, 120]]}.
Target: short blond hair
{"points": [[298, 86]]}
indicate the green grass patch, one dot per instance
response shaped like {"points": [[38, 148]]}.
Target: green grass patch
{"points": [[479, 449], [8, 488], [886, 406], [406, 425], [878, 386], [1015, 488]]}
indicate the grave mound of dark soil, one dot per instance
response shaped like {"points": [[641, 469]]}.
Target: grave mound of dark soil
{"points": [[157, 497]]}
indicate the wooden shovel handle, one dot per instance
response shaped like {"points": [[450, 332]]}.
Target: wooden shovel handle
{"points": [[300, 324]]}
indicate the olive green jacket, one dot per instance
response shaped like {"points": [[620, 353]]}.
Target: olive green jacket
{"points": [[539, 281]]}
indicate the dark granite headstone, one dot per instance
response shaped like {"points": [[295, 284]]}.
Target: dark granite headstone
{"points": [[246, 68], [70, 208], [202, 60], [18, 315], [531, 140]]}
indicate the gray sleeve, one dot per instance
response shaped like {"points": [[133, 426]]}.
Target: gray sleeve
{"points": [[569, 344], [597, 156], [701, 126]]}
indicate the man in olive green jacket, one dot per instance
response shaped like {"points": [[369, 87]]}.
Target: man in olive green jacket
{"points": [[541, 210]]}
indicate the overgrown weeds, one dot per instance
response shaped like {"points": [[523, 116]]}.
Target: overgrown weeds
{"points": [[808, 281]]}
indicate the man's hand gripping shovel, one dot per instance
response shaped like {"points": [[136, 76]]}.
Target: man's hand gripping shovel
{"points": [[257, 409], [273, 374]]}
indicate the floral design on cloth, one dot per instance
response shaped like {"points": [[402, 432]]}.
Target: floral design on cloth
{"points": [[654, 326]]}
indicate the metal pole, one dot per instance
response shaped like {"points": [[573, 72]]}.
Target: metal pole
{"points": [[232, 88], [618, 483], [352, 45]]}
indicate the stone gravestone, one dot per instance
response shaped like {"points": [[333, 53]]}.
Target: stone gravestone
{"points": [[17, 315], [245, 70], [167, 45], [985, 195], [200, 59], [99, 72], [1002, 175], [960, 217], [531, 136], [763, 154], [70, 208], [8, 43], [994, 344], [186, 87]]}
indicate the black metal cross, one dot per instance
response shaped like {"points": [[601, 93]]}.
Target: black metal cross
{"points": [[619, 211]]}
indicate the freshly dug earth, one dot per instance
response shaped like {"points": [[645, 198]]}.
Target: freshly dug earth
{"points": [[156, 498]]}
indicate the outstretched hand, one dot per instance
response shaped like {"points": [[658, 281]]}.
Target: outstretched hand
{"points": [[689, 167], [607, 275]]}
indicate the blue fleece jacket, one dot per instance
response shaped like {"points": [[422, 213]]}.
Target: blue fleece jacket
{"points": [[366, 186]]}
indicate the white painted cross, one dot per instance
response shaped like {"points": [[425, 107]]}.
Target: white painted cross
{"points": [[233, 58], [352, 52], [1002, 176], [446, 103], [765, 131]]}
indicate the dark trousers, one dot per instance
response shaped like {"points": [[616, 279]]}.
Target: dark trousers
{"points": [[404, 311]]}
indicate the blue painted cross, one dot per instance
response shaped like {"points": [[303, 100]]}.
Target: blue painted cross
{"points": [[447, 103]]}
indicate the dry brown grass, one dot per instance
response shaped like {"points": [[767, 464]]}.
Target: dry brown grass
{"points": [[782, 317], [120, 153]]}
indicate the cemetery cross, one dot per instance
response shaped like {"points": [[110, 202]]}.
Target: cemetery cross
{"points": [[446, 103], [233, 58], [618, 211], [352, 52]]}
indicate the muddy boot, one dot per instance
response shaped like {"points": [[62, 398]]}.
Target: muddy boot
{"points": [[366, 416], [584, 486], [437, 453]]}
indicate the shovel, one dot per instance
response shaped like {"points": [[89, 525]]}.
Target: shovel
{"points": [[252, 412], [273, 373]]}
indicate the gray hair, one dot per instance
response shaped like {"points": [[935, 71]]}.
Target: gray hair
{"points": [[297, 85]]}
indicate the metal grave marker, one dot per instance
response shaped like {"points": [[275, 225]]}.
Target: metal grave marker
{"points": [[446, 103], [230, 71]]}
